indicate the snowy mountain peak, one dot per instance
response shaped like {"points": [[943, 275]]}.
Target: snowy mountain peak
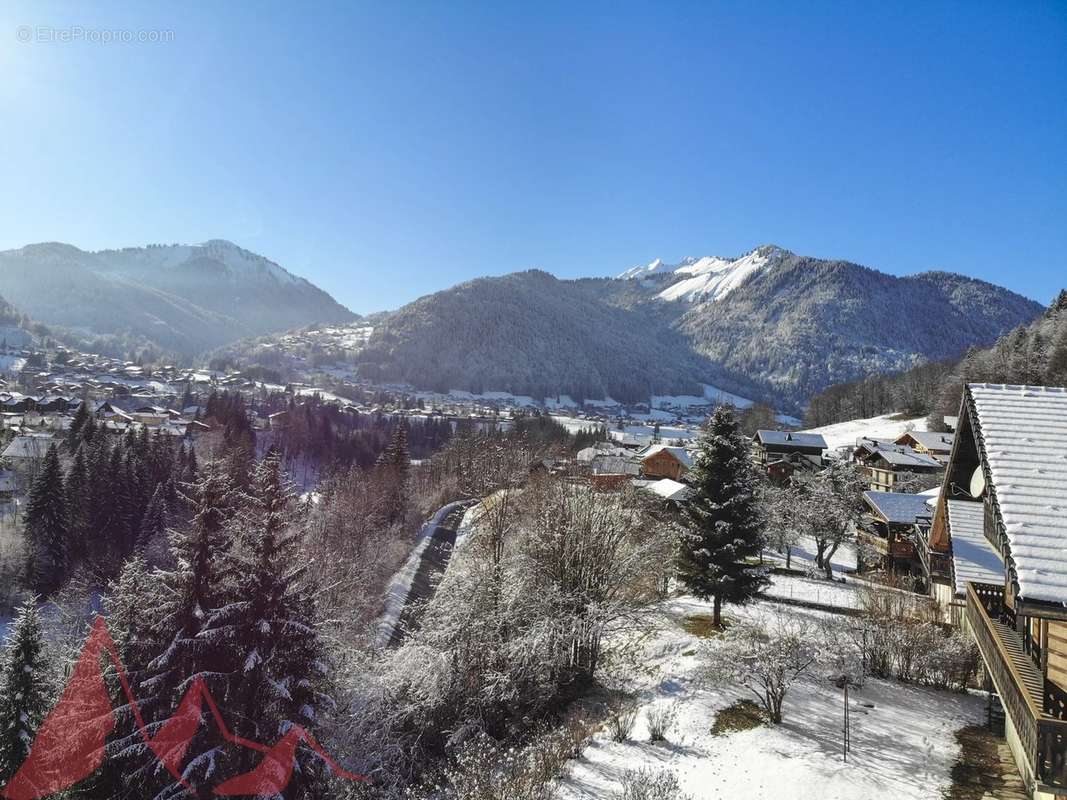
{"points": [[706, 278]]}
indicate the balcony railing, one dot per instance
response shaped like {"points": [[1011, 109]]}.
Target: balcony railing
{"points": [[1035, 706]]}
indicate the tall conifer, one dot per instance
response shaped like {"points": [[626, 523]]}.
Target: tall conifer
{"points": [[723, 531]]}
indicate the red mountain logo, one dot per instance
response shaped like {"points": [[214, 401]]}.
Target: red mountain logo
{"points": [[69, 746]]}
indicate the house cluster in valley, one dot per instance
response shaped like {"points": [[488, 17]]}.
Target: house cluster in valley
{"points": [[987, 541], [974, 518]]}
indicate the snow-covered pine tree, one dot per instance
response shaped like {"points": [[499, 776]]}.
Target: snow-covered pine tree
{"points": [[154, 523], [76, 425], [25, 689], [123, 521], [723, 530], [130, 605], [394, 464], [1056, 369], [77, 491], [47, 527], [190, 592], [268, 629]]}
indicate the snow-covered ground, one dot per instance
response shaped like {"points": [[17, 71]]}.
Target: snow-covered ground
{"points": [[11, 364], [712, 394], [803, 557], [883, 427], [646, 432], [814, 590], [903, 744]]}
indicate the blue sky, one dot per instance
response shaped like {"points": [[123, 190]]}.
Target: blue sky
{"points": [[387, 150]]}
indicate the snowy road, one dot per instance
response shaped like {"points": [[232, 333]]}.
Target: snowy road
{"points": [[417, 581]]}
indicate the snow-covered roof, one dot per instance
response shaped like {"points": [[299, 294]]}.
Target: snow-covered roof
{"points": [[669, 489], [932, 440], [1023, 434], [897, 455], [607, 464], [792, 438], [906, 457], [973, 557], [587, 454], [898, 508], [29, 446], [679, 453]]}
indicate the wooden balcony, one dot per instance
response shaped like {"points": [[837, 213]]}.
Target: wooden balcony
{"points": [[1032, 703]]}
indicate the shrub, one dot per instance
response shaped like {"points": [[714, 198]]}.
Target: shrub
{"points": [[650, 785], [621, 719], [661, 721]]}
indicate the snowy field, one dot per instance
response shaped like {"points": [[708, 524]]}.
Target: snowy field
{"points": [[846, 433], [666, 432], [903, 744], [814, 590], [12, 364]]}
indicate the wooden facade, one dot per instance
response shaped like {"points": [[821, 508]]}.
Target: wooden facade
{"points": [[664, 463], [1022, 641]]}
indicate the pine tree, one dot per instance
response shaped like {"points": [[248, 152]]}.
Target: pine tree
{"points": [[88, 430], [74, 432], [190, 593], [24, 689], [47, 528], [1056, 369], [394, 464], [723, 519], [155, 521], [268, 627], [77, 490], [123, 521], [98, 501], [1038, 359]]}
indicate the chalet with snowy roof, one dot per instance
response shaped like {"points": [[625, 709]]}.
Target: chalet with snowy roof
{"points": [[1007, 478], [665, 461], [670, 491], [8, 485], [589, 454], [611, 464], [884, 464], [929, 443], [25, 455], [803, 450], [887, 530]]}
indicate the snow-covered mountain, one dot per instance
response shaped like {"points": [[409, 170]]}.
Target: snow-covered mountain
{"points": [[770, 325], [699, 279], [184, 298]]}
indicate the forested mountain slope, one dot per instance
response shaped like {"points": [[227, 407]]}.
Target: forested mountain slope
{"points": [[770, 325], [532, 334], [807, 323], [1028, 354], [183, 298]]}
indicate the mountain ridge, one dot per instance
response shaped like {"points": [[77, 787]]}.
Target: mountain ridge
{"points": [[182, 298], [770, 325]]}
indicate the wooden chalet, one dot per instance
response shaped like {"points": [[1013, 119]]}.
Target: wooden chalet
{"points": [[665, 461], [889, 528], [883, 463], [1007, 479], [800, 450], [929, 443]]}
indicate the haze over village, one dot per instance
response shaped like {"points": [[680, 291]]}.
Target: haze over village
{"points": [[365, 434]]}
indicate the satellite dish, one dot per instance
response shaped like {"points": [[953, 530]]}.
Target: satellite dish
{"points": [[978, 483]]}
